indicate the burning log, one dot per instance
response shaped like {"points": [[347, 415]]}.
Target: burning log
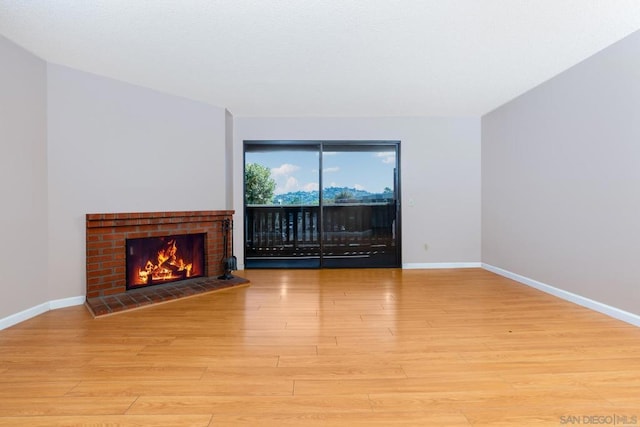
{"points": [[167, 264]]}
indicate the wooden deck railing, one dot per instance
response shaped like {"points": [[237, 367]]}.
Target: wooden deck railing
{"points": [[284, 231]]}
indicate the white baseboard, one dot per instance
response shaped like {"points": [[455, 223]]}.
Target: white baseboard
{"points": [[434, 265], [39, 309], [608, 310], [66, 302]]}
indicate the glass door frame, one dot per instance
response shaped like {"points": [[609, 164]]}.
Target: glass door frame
{"points": [[321, 145]]}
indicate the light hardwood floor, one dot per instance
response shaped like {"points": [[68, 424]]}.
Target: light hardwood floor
{"points": [[333, 347]]}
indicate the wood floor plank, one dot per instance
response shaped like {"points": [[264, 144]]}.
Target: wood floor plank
{"points": [[348, 359], [250, 405], [129, 372], [398, 385], [306, 372], [496, 399], [108, 420], [210, 386], [65, 405], [234, 348], [196, 362], [365, 419], [326, 347], [37, 388]]}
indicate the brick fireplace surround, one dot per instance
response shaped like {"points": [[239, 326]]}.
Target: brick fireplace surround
{"points": [[106, 235]]}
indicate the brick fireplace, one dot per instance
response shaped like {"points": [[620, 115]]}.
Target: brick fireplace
{"points": [[106, 236]]}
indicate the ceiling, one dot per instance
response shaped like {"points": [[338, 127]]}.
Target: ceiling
{"points": [[324, 57]]}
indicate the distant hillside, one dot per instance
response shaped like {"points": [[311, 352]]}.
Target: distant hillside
{"points": [[331, 194]]}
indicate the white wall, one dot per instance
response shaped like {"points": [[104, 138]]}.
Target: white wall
{"points": [[23, 180], [561, 180], [115, 147], [440, 174], [228, 159]]}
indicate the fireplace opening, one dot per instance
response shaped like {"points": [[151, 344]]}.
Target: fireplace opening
{"points": [[157, 260]]}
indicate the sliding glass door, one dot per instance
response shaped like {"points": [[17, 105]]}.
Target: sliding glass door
{"points": [[282, 205], [315, 204], [359, 205]]}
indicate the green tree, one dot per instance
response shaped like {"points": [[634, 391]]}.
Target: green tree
{"points": [[344, 196], [258, 184]]}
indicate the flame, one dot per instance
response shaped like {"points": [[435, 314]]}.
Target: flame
{"points": [[168, 266]]}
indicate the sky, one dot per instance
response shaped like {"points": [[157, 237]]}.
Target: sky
{"points": [[298, 170]]}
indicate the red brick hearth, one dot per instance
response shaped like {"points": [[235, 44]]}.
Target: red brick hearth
{"points": [[106, 235], [136, 298]]}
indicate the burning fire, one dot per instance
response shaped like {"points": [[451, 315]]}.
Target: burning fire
{"points": [[168, 266]]}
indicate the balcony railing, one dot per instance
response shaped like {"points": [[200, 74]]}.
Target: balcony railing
{"points": [[349, 229]]}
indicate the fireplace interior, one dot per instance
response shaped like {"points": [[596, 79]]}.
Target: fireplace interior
{"points": [[157, 260]]}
